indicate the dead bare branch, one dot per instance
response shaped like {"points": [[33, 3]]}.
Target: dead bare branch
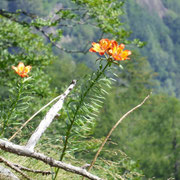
{"points": [[32, 170], [13, 136], [113, 128], [24, 151], [12, 166], [44, 124]]}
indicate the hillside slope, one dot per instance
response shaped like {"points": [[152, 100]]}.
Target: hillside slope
{"points": [[154, 5], [161, 33]]}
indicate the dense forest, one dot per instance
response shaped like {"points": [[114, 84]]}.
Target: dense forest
{"points": [[54, 37]]}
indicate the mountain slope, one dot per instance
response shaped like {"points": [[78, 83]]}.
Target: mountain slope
{"points": [[162, 36], [154, 5]]}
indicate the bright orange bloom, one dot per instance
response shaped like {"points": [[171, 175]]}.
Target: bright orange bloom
{"points": [[101, 47], [22, 70], [124, 55], [112, 45], [112, 48], [118, 53]]}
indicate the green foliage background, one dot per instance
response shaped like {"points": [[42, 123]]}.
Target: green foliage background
{"points": [[151, 135]]}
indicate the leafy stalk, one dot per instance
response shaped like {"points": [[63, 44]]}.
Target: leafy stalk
{"points": [[13, 107], [82, 98]]}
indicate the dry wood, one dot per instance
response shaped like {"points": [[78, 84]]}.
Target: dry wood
{"points": [[113, 128], [45, 123], [23, 151]]}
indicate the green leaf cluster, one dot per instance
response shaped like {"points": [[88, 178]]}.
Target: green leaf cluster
{"points": [[19, 44]]}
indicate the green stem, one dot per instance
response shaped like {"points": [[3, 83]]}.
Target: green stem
{"points": [[77, 109], [13, 106]]}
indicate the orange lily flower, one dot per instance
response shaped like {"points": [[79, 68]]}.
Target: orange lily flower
{"points": [[124, 54], [112, 48], [22, 70], [118, 53], [101, 47]]}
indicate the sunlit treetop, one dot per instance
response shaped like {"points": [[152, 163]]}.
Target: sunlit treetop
{"points": [[22, 70], [111, 48]]}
